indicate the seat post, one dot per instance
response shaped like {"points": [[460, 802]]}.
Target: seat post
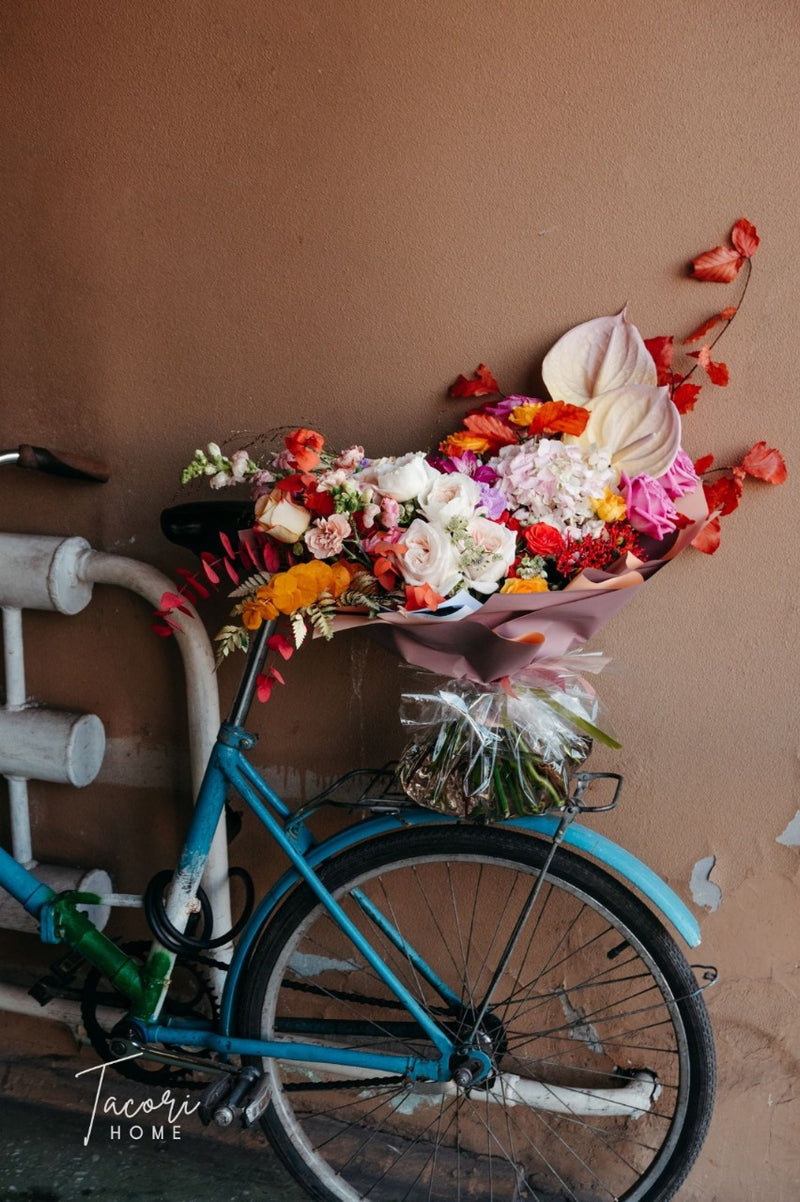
{"points": [[255, 662]]}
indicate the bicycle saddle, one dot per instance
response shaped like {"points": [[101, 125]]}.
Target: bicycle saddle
{"points": [[196, 525]]}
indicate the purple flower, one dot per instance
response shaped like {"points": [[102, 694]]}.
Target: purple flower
{"points": [[650, 509], [494, 501], [503, 407], [681, 477]]}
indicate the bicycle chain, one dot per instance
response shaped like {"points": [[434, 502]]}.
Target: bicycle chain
{"points": [[341, 995]]}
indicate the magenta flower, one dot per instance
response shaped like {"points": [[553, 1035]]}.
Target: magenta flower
{"points": [[650, 509]]}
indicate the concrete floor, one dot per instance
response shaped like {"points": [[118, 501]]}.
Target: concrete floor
{"points": [[44, 1160], [45, 1111]]}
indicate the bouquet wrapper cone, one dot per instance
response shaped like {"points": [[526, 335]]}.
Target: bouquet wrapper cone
{"points": [[510, 632]]}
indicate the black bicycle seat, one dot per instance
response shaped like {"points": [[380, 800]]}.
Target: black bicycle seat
{"points": [[196, 525]]}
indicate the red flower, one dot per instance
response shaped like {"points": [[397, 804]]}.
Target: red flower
{"points": [[543, 539], [305, 446]]}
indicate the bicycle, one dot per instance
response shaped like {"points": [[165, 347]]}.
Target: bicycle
{"points": [[420, 1007]]}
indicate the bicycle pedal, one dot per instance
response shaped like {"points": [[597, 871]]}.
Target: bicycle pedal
{"points": [[57, 980], [258, 1100], [211, 1098]]}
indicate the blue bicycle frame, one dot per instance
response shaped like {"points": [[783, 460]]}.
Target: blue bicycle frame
{"points": [[228, 766]]}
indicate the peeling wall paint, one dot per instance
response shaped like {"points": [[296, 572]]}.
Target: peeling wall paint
{"points": [[791, 836], [704, 891]]}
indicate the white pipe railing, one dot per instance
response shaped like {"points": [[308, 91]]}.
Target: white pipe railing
{"points": [[58, 574]]}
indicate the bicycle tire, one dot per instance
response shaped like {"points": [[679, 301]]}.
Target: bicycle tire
{"points": [[596, 990]]}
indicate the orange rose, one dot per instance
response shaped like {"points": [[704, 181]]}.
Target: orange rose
{"points": [[516, 584]]}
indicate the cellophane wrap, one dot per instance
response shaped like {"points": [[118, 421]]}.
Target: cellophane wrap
{"points": [[503, 750]]}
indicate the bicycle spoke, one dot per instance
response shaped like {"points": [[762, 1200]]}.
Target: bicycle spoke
{"points": [[582, 1020]]}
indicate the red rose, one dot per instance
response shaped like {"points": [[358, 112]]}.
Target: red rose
{"points": [[543, 539]]}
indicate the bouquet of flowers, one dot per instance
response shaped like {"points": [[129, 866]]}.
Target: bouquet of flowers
{"points": [[492, 558]]}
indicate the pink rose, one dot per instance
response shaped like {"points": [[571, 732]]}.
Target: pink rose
{"points": [[650, 509], [681, 477]]}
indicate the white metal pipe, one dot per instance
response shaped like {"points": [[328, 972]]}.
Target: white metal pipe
{"points": [[40, 571], [51, 745], [21, 844], [15, 697], [631, 1099], [13, 658], [202, 699], [16, 1000]]}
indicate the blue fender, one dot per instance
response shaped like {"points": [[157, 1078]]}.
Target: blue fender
{"points": [[632, 870]]}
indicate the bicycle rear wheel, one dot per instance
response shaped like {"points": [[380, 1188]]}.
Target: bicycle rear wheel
{"points": [[603, 1064]]}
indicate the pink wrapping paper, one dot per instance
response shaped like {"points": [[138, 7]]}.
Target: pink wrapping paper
{"points": [[512, 631]]}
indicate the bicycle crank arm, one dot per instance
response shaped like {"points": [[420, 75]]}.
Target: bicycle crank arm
{"points": [[122, 1047]]}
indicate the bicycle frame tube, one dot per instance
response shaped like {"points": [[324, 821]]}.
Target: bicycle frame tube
{"points": [[228, 766]]}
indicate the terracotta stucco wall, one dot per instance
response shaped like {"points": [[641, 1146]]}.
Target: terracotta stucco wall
{"points": [[233, 216]]}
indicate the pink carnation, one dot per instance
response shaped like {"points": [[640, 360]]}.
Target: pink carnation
{"points": [[326, 537]]}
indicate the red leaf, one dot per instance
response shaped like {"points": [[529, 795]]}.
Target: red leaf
{"points": [[277, 642], [226, 543], [764, 463], [265, 681], [703, 464], [231, 570], [745, 238], [661, 350], [723, 495], [725, 315], [271, 557], [194, 583], [708, 538], [720, 265], [162, 629], [247, 554], [483, 383], [717, 372], [685, 396], [207, 560], [170, 601]]}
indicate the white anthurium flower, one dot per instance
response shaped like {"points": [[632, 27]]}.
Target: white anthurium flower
{"points": [[597, 357], [638, 425]]}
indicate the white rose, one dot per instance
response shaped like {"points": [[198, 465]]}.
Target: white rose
{"points": [[279, 517], [429, 558], [495, 548], [450, 495], [401, 478]]}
